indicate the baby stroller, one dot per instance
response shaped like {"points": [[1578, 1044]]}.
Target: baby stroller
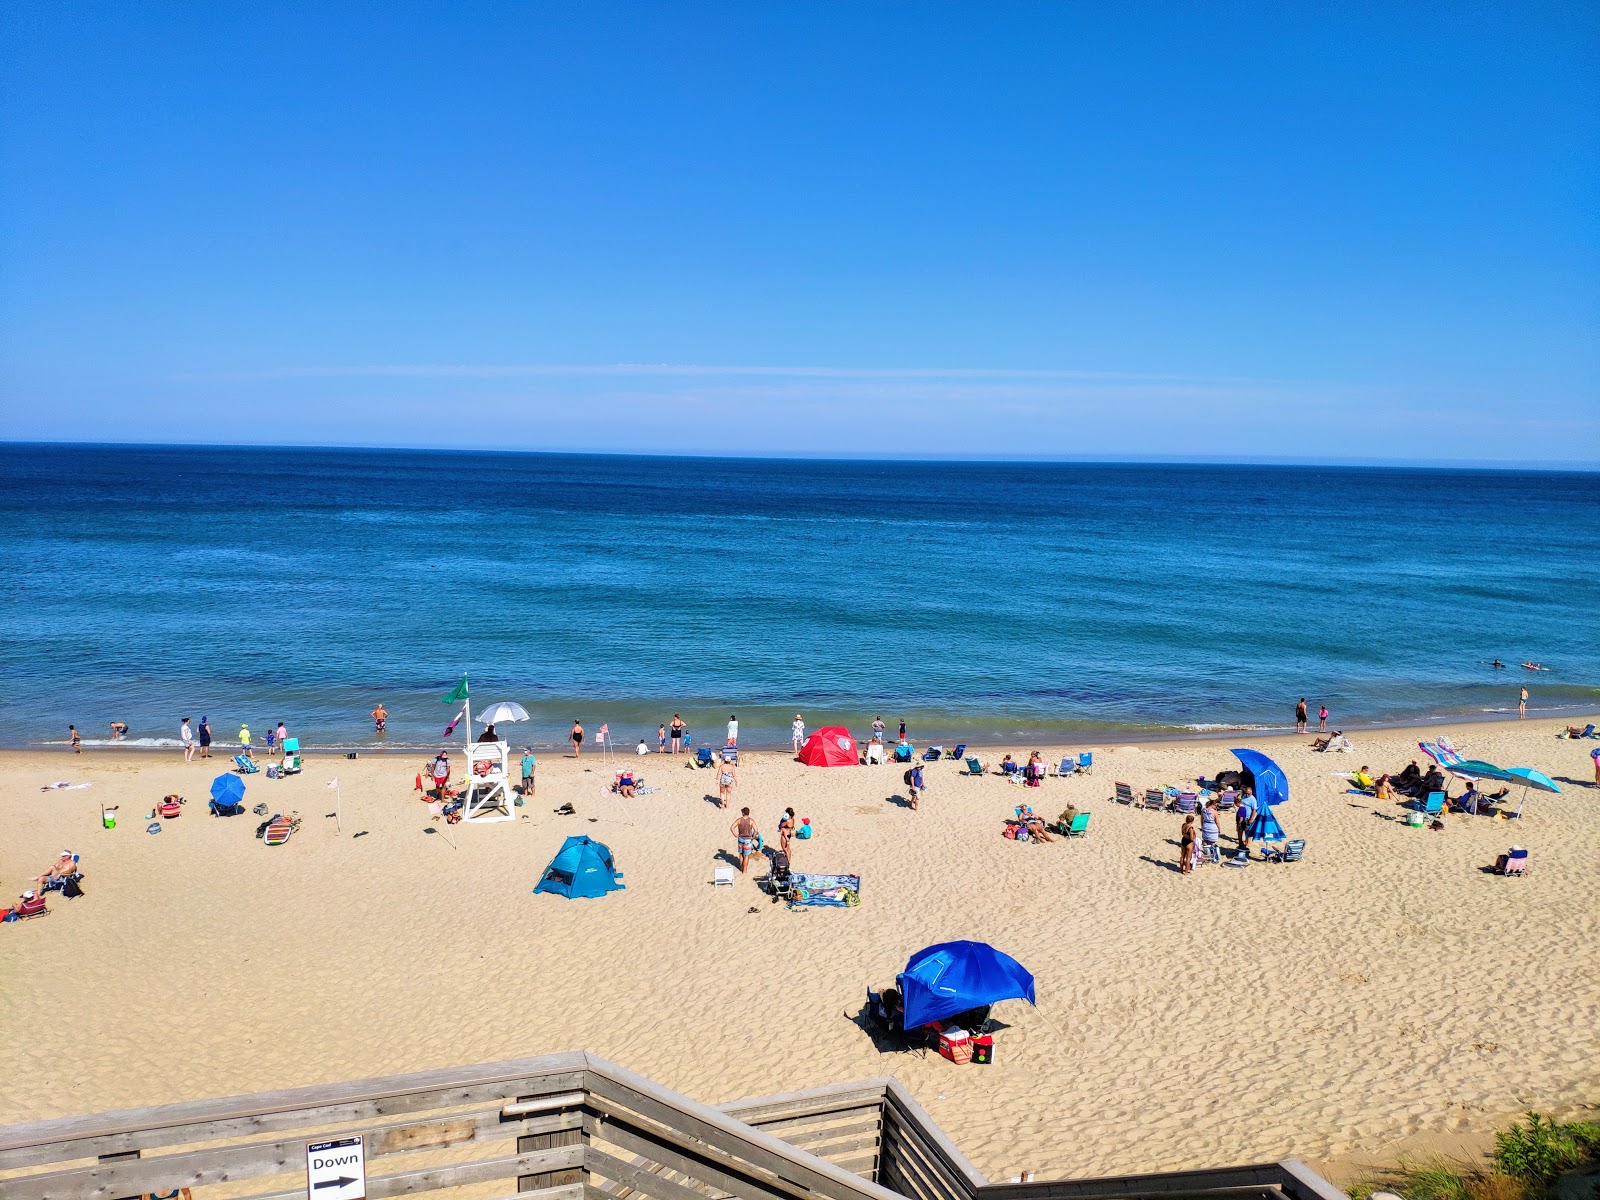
{"points": [[776, 884]]}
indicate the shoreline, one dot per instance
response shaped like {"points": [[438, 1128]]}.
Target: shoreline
{"points": [[1076, 740]]}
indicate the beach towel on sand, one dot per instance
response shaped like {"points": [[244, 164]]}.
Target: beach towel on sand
{"points": [[824, 891]]}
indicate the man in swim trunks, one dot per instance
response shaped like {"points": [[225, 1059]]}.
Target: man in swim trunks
{"points": [[727, 776], [119, 730], [677, 727], [77, 742], [744, 830], [380, 717], [577, 737], [1300, 716], [661, 740]]}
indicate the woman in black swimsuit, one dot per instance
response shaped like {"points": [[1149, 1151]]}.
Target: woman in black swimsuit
{"points": [[577, 737], [677, 732]]}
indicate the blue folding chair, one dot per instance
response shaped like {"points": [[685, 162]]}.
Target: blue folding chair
{"points": [[1086, 761]]}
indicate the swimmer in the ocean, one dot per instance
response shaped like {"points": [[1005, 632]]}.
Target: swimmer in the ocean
{"points": [[1497, 663]]}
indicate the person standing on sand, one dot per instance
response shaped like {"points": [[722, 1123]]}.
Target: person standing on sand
{"points": [[733, 730], [902, 729], [440, 770], [744, 832], [576, 737], [205, 737], [1322, 719], [661, 739], [727, 776], [1210, 832], [877, 729], [914, 785], [529, 762], [1594, 754], [1522, 706], [1186, 846], [786, 830], [283, 736], [186, 738], [77, 742], [1300, 716], [797, 733], [676, 729], [1242, 818]]}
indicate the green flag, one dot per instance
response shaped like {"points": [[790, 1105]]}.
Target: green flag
{"points": [[457, 693]]}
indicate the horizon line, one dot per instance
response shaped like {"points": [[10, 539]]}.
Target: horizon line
{"points": [[1104, 459]]}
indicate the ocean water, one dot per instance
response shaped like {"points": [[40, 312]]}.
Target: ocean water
{"points": [[976, 601]]}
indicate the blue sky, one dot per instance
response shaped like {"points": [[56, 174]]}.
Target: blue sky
{"points": [[1070, 230]]}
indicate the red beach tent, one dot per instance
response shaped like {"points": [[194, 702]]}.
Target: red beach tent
{"points": [[830, 747]]}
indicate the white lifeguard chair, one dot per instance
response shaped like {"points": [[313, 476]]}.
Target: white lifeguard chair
{"points": [[486, 790]]}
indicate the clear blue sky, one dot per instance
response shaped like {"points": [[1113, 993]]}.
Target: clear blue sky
{"points": [[1120, 229]]}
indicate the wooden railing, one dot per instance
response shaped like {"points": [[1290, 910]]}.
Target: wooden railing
{"points": [[565, 1126]]}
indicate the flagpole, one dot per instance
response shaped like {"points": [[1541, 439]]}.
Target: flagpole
{"points": [[338, 807]]}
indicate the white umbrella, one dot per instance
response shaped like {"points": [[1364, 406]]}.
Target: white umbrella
{"points": [[497, 714]]}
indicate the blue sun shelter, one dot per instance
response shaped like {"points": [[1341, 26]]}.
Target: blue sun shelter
{"points": [[1272, 788], [581, 869]]}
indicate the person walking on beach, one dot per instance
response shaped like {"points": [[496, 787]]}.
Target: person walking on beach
{"points": [[797, 733], [1322, 719], [786, 830], [186, 737], [77, 742], [661, 739], [733, 731], [727, 776], [529, 762], [1245, 814], [1522, 706], [676, 731], [576, 737], [205, 737], [283, 736], [914, 787], [440, 770], [1186, 846], [744, 832], [1594, 754], [1300, 716]]}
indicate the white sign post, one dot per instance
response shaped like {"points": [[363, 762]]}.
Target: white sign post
{"points": [[336, 1170]]}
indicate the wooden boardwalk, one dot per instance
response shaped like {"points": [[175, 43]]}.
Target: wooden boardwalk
{"points": [[563, 1126]]}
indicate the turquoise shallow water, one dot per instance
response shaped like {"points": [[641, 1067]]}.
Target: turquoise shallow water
{"points": [[976, 601]]}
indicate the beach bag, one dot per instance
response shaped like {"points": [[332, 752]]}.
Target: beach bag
{"points": [[171, 807], [1010, 832], [71, 889], [272, 772]]}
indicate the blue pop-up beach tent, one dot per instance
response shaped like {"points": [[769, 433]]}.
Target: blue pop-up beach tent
{"points": [[1272, 787], [582, 868], [953, 977]]}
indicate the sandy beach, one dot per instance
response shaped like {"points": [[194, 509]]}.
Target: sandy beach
{"points": [[1384, 996]]}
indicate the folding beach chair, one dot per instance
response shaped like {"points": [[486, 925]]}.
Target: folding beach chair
{"points": [[1227, 800], [721, 876], [702, 756], [1086, 762], [1124, 794], [1069, 766], [1433, 806], [245, 764], [1239, 858], [1155, 800], [1185, 803], [1079, 826], [1516, 862], [974, 767], [1210, 854], [933, 754], [958, 753], [1289, 852], [874, 752], [730, 754]]}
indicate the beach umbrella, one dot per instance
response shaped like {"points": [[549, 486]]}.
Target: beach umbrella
{"points": [[1473, 769], [227, 789], [1442, 752], [1272, 787], [1527, 778], [952, 977], [499, 714]]}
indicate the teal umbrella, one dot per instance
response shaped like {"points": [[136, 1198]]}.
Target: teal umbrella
{"points": [[1527, 777], [1475, 768]]}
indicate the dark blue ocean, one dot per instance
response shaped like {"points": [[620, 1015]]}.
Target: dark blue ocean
{"points": [[976, 601]]}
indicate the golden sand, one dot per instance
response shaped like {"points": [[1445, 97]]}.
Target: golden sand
{"points": [[1382, 994]]}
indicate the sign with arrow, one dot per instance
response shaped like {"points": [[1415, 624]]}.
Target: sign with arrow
{"points": [[336, 1170]]}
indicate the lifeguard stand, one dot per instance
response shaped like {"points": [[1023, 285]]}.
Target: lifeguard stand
{"points": [[487, 796]]}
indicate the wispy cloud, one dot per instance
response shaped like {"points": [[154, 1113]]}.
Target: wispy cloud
{"points": [[696, 370]]}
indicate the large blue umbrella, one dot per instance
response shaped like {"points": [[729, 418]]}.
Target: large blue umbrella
{"points": [[1272, 787], [1527, 777], [227, 789], [953, 977]]}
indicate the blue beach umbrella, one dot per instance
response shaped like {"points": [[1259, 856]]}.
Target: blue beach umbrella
{"points": [[953, 977], [1527, 777], [227, 789], [1272, 787]]}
